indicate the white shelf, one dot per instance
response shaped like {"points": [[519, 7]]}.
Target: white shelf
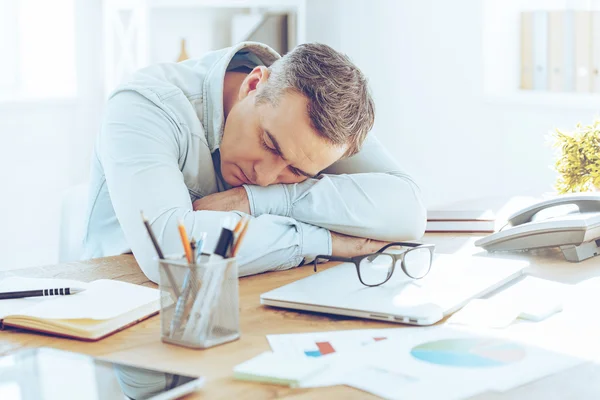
{"points": [[501, 56], [224, 3], [127, 32], [546, 99]]}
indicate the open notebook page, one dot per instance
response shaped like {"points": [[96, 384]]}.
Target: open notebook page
{"points": [[14, 284], [103, 299]]}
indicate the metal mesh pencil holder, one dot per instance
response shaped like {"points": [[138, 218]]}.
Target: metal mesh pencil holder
{"points": [[199, 302]]}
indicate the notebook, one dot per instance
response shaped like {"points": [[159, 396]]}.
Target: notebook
{"points": [[104, 308]]}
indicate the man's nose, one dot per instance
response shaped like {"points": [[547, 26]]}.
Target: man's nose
{"points": [[268, 172]]}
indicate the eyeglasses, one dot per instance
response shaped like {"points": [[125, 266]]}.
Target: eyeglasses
{"points": [[377, 268]]}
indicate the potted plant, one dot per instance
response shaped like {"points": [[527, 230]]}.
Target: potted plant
{"points": [[578, 161]]}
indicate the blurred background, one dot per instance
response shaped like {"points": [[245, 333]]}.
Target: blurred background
{"points": [[446, 77]]}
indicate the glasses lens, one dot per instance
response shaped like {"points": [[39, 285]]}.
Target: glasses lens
{"points": [[417, 262], [375, 269]]}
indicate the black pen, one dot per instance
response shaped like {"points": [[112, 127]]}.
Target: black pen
{"points": [[39, 293]]}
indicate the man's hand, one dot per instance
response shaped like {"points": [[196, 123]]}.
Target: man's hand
{"points": [[351, 246], [234, 199]]}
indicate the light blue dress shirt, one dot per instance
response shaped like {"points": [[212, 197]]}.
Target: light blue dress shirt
{"points": [[158, 151]]}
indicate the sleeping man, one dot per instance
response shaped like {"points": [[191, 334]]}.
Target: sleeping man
{"points": [[243, 131]]}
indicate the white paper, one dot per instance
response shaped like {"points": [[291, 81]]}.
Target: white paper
{"points": [[535, 298], [573, 331], [382, 383], [13, 284], [481, 360], [394, 385], [306, 344], [446, 362], [103, 299], [485, 313]]}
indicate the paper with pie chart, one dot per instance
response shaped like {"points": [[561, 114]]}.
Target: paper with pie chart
{"points": [[442, 362], [469, 352], [320, 344], [442, 354]]}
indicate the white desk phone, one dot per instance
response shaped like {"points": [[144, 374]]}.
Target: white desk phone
{"points": [[571, 222]]}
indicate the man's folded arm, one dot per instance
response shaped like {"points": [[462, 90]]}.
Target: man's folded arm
{"points": [[366, 195], [139, 151]]}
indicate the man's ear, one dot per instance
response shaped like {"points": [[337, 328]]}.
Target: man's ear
{"points": [[253, 81]]}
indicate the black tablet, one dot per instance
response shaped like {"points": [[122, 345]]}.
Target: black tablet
{"points": [[45, 374]]}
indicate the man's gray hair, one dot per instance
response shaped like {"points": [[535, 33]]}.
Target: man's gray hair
{"points": [[340, 106]]}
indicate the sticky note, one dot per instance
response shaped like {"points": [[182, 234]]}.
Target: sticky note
{"points": [[485, 313], [278, 369], [536, 298]]}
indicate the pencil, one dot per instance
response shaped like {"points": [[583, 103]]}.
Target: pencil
{"points": [[238, 242], [160, 254], [152, 237], [239, 226], [185, 241]]}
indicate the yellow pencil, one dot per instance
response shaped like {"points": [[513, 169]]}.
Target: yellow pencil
{"points": [[185, 241], [238, 242], [239, 226]]}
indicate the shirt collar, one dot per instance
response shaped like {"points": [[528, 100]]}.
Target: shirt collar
{"points": [[214, 120]]}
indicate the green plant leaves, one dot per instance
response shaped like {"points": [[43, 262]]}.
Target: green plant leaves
{"points": [[578, 163]]}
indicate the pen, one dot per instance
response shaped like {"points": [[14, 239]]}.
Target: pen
{"points": [[40, 293], [200, 245], [224, 243], [193, 251]]}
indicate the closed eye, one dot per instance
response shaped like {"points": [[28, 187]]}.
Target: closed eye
{"points": [[295, 171], [273, 151], [265, 146], [276, 150]]}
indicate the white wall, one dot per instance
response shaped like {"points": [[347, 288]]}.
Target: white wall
{"points": [[34, 161], [205, 29], [424, 60], [45, 148]]}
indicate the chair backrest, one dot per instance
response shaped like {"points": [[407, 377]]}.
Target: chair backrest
{"points": [[72, 223]]}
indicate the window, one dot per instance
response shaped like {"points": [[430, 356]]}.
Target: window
{"points": [[37, 48]]}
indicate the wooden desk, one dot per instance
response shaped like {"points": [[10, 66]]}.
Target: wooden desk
{"points": [[141, 344]]}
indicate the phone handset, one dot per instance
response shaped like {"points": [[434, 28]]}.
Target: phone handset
{"points": [[586, 202]]}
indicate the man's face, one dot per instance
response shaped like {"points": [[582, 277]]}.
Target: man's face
{"points": [[264, 144]]}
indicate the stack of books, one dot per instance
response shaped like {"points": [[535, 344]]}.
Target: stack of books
{"points": [[460, 221], [486, 214]]}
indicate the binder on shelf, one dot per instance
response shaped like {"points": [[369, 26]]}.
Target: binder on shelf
{"points": [[556, 53], [569, 51], [583, 50], [527, 50], [596, 51], [540, 50]]}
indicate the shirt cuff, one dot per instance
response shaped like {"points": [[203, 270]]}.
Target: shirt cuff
{"points": [[314, 241], [273, 200]]}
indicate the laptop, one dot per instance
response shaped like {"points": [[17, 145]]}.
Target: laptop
{"points": [[452, 282]]}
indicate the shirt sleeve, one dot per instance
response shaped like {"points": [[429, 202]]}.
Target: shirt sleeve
{"points": [[366, 195], [140, 146]]}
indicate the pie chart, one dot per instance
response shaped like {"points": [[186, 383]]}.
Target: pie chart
{"points": [[469, 352]]}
